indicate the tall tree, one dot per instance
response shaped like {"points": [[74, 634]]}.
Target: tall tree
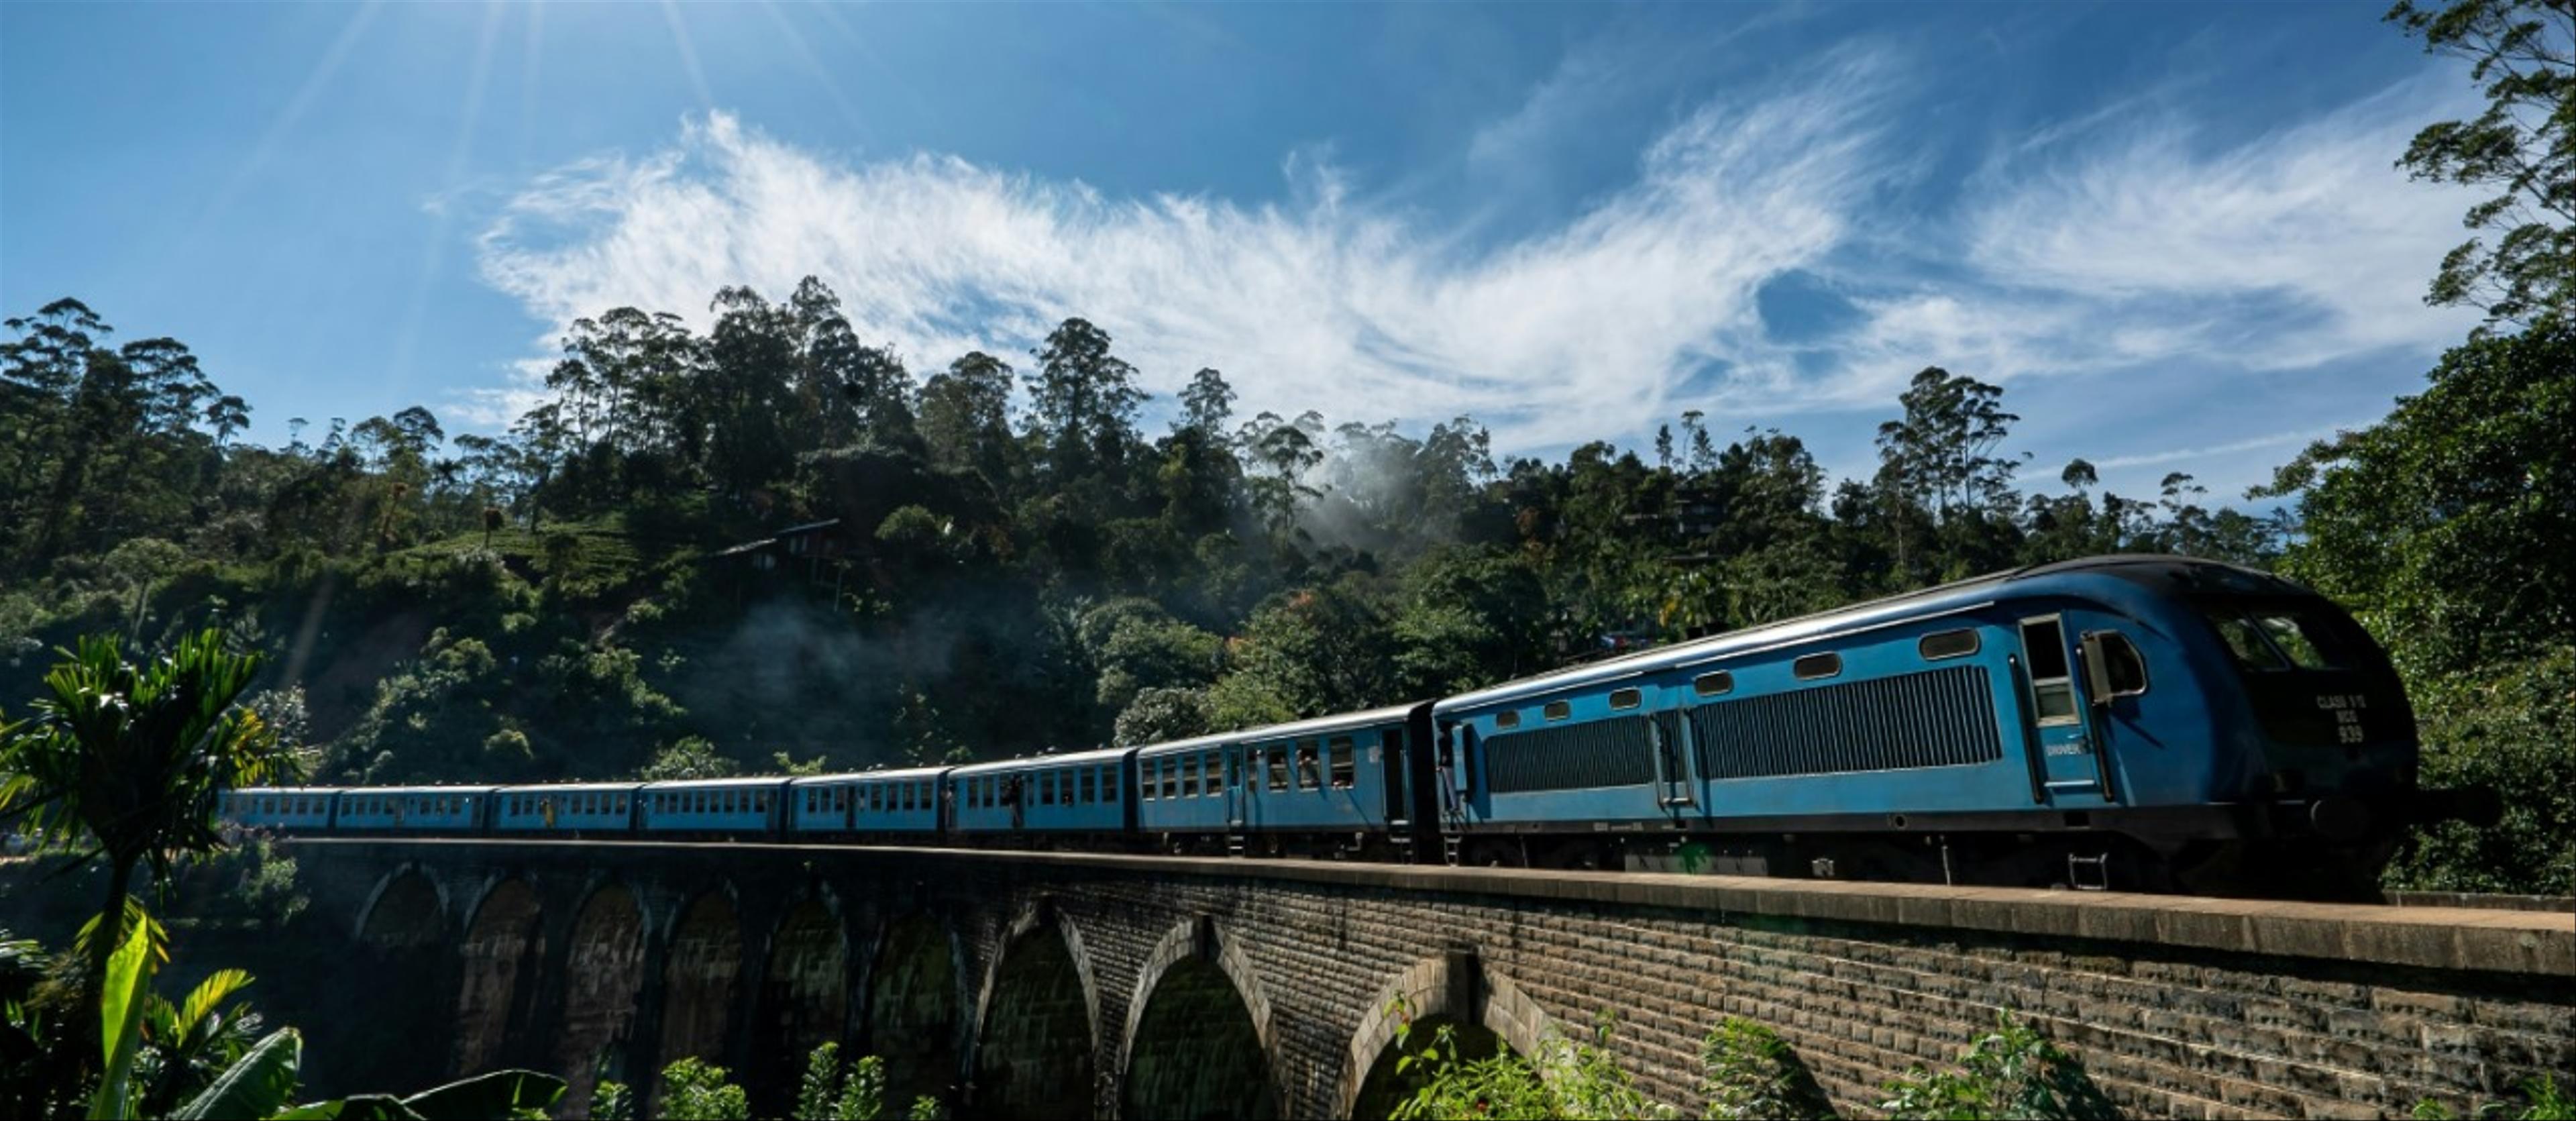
{"points": [[2523, 147], [1082, 401], [130, 758]]}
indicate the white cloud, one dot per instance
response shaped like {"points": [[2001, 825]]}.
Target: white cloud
{"points": [[2108, 248]]}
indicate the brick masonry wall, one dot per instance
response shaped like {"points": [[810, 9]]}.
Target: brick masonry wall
{"points": [[2178, 1007]]}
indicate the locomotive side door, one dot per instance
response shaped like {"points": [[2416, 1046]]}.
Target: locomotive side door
{"points": [[2056, 713]]}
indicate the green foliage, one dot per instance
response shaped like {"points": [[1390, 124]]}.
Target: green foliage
{"points": [[2446, 527], [2011, 1074], [688, 758], [611, 1100], [1574, 1079], [2523, 146], [1751, 1072], [121, 997], [698, 1090], [2543, 1101], [1164, 715]]}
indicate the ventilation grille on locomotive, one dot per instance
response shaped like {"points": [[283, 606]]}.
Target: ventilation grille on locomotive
{"points": [[1589, 755], [1937, 718]]}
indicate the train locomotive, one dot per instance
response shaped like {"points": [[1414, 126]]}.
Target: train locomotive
{"points": [[2127, 722]]}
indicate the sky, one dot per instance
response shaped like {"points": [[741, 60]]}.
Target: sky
{"points": [[2174, 233]]}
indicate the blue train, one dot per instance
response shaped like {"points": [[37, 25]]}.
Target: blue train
{"points": [[2138, 722]]}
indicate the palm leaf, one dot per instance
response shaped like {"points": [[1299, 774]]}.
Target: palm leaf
{"points": [[502, 1093], [257, 1086], [120, 1012]]}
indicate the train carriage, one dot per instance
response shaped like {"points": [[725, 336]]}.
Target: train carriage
{"points": [[722, 807], [278, 807], [1084, 797], [900, 804], [412, 809], [1337, 784], [571, 808]]}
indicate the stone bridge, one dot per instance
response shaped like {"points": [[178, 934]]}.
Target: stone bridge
{"points": [[1065, 985]]}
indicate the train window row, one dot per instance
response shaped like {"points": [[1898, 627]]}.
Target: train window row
{"points": [[1333, 764], [582, 802], [710, 801], [386, 805], [1066, 786], [274, 803]]}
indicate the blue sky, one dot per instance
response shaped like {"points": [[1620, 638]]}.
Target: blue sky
{"points": [[2173, 232]]}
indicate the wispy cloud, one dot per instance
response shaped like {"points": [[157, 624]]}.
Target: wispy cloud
{"points": [[2123, 246]]}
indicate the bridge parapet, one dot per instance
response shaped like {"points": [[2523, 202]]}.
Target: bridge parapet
{"points": [[2177, 1006]]}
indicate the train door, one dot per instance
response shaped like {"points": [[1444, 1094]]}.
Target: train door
{"points": [[1238, 786], [1676, 788], [2057, 714], [1388, 755]]}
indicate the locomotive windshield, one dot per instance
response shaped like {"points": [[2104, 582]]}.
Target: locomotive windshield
{"points": [[2274, 639]]}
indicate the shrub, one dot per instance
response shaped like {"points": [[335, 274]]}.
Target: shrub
{"points": [[1751, 1072], [2012, 1074]]}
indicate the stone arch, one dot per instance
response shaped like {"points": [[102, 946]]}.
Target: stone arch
{"points": [[1037, 1023], [1198, 1042], [1454, 988], [916, 1005], [400, 961], [406, 910], [804, 995], [702, 975], [496, 998], [603, 976]]}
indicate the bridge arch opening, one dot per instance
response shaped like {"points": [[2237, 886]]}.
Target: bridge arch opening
{"points": [[496, 999], [804, 1000], [603, 975], [1484, 1012], [404, 914], [914, 1011], [1195, 1051], [401, 964], [1033, 1051], [700, 980]]}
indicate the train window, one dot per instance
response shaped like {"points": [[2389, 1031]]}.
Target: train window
{"points": [[1557, 710], [1279, 766], [1190, 777], [1815, 666], [760, 801], [1216, 772], [1947, 644], [1046, 788], [1508, 718], [1713, 684], [1626, 698], [1344, 762], [2123, 671], [2297, 637], [2052, 687], [1310, 771], [1090, 785], [1149, 779], [1171, 777]]}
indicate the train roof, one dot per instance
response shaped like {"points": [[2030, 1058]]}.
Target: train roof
{"points": [[2156, 571], [570, 787], [1095, 755], [711, 783], [423, 788], [864, 776], [283, 789], [1392, 714]]}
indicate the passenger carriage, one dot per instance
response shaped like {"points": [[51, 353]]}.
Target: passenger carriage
{"points": [[1083, 798], [874, 804], [720, 807], [1344, 784], [278, 807], [565, 808], [412, 809]]}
